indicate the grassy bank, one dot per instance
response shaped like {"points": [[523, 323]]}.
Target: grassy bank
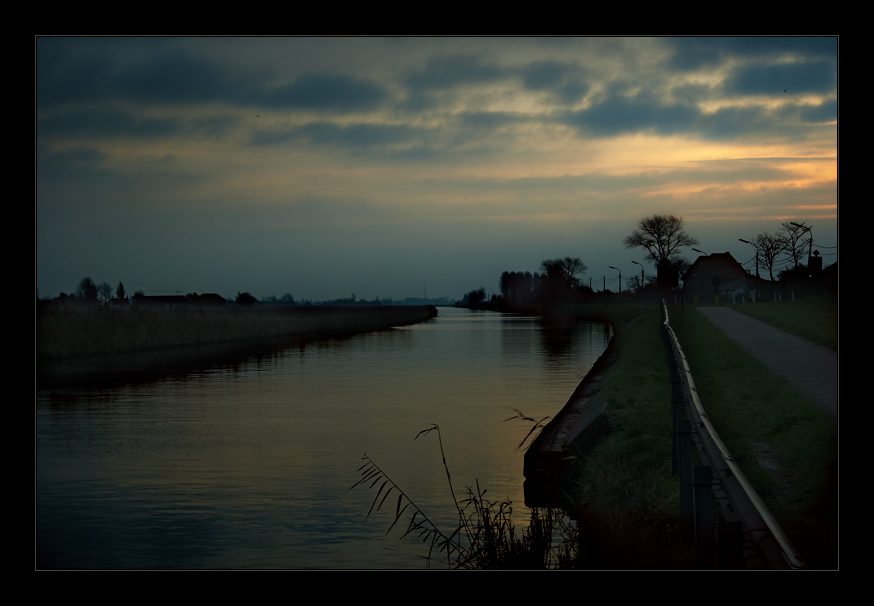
{"points": [[631, 518], [786, 446], [633, 499], [100, 331], [812, 318]]}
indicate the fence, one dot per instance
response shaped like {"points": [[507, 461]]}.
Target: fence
{"points": [[750, 536]]}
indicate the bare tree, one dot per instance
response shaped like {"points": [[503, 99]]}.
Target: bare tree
{"points": [[769, 247], [560, 277], [87, 289], [661, 236], [566, 269], [104, 291], [791, 237]]}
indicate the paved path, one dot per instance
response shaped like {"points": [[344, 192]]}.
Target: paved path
{"points": [[809, 368]]}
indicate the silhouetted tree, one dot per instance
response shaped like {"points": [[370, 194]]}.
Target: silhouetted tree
{"points": [[104, 292], [769, 247], [559, 277], [119, 291], [87, 289], [244, 298], [661, 236], [517, 289], [475, 299], [287, 299], [791, 237]]}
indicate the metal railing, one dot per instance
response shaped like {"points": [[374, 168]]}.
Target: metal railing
{"points": [[751, 536]]}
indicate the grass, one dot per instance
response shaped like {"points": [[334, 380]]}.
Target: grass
{"points": [[62, 333], [813, 318], [750, 409], [631, 515], [485, 537], [633, 498], [631, 519]]}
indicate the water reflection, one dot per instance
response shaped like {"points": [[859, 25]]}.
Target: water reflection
{"points": [[246, 462]]}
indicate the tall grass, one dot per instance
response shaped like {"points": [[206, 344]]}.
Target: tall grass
{"points": [[71, 332], [485, 536]]}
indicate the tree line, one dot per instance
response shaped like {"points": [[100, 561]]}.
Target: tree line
{"points": [[662, 237], [558, 280]]}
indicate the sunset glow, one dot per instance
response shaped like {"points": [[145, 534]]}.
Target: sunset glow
{"points": [[275, 165]]}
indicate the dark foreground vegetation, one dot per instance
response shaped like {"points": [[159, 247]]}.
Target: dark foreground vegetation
{"points": [[101, 330]]}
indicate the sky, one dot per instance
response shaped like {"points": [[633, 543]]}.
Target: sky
{"points": [[403, 167]]}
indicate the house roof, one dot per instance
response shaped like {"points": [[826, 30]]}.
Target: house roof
{"points": [[722, 264]]}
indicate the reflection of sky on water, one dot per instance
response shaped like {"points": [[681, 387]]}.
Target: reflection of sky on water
{"points": [[249, 464]]}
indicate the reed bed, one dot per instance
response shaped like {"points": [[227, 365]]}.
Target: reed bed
{"points": [[99, 331]]}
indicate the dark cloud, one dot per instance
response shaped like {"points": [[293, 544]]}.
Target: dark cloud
{"points": [[107, 69], [619, 114], [800, 77], [564, 80], [732, 122], [327, 92], [544, 75], [105, 123], [695, 53], [818, 114], [183, 78], [450, 71]]}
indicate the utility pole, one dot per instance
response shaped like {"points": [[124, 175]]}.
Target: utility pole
{"points": [[620, 277], [757, 254], [641, 273], [809, 243]]}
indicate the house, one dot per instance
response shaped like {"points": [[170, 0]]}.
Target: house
{"points": [[719, 274]]}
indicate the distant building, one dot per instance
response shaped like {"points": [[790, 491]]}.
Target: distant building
{"points": [[719, 274]]}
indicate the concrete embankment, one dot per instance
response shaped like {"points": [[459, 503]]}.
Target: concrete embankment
{"points": [[101, 331], [581, 419]]}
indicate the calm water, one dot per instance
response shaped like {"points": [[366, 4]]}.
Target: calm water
{"points": [[249, 463]]}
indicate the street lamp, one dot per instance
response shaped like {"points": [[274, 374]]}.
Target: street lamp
{"points": [[620, 277], [700, 251], [757, 254], [641, 274]]}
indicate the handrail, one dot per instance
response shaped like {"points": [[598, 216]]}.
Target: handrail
{"points": [[758, 522]]}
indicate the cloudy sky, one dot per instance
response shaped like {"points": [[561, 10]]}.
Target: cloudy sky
{"points": [[324, 167]]}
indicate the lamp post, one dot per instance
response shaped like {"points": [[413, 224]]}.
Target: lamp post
{"points": [[757, 254], [641, 274], [700, 251], [620, 277], [809, 242]]}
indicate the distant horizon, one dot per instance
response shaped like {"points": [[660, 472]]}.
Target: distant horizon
{"points": [[379, 165]]}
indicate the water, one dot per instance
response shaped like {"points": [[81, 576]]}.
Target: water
{"points": [[248, 463]]}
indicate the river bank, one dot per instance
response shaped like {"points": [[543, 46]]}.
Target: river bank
{"points": [[622, 489], [100, 343], [68, 333]]}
